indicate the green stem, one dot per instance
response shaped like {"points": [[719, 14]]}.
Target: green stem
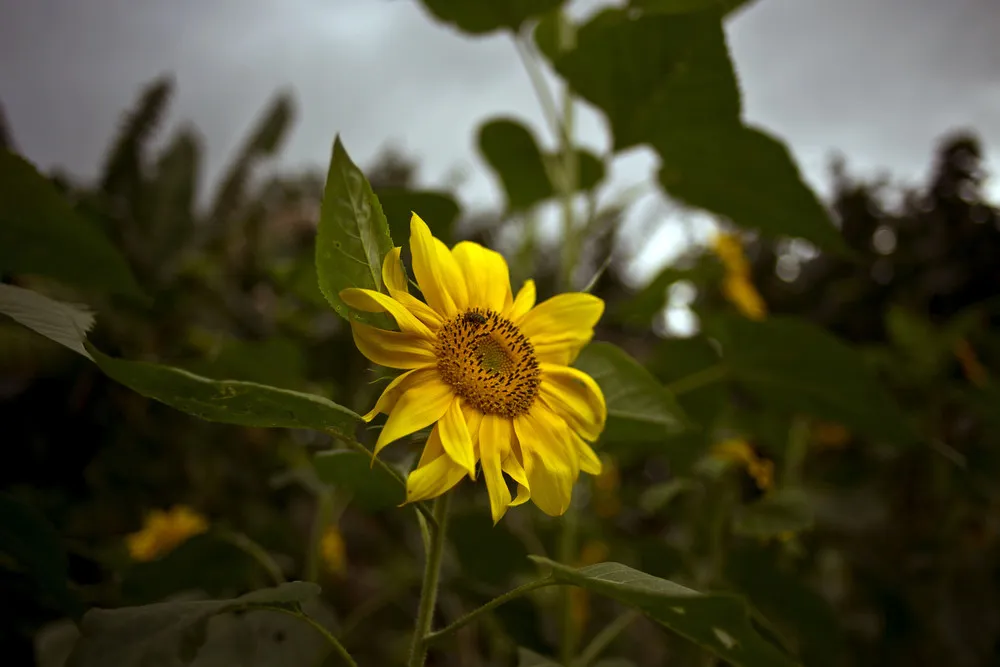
{"points": [[604, 638], [542, 92], [255, 551], [567, 553], [357, 446], [697, 380], [489, 606], [795, 456], [429, 589], [333, 641]]}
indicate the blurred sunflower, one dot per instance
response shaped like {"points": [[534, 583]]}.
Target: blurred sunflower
{"points": [[164, 531], [737, 286], [489, 370]]}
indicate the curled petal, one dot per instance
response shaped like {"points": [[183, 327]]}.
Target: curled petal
{"points": [[393, 349], [418, 407], [574, 396], [376, 302], [494, 438], [395, 389], [454, 433]]}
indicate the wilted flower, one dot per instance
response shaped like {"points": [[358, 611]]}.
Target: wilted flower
{"points": [[490, 372], [163, 532]]}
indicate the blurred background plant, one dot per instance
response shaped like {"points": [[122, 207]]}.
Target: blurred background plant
{"points": [[837, 466]]}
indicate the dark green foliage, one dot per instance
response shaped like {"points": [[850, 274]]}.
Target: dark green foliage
{"points": [[480, 17]]}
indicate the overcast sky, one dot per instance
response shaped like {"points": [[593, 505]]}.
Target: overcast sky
{"points": [[878, 80]]}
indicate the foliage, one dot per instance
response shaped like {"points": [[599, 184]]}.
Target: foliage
{"points": [[870, 392]]}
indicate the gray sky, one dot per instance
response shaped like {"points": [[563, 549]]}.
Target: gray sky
{"points": [[879, 80]]}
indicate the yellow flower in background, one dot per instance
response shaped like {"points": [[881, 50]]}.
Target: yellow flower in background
{"points": [[607, 503], [593, 552], [737, 286], [163, 532], [830, 434], [488, 370], [739, 451], [333, 551]]}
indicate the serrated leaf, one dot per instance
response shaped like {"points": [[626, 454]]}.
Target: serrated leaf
{"points": [[63, 323], [372, 487], [40, 233], [639, 408], [229, 401], [783, 511], [719, 623], [167, 633], [438, 209], [511, 150], [795, 366], [480, 17], [747, 176], [353, 236]]}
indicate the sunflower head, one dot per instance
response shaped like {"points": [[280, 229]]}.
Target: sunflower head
{"points": [[489, 371]]}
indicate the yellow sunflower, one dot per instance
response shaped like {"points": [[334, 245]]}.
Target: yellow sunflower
{"points": [[489, 370]]}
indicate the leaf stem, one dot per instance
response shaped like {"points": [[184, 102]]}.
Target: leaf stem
{"points": [[429, 589], [333, 641], [697, 380], [489, 606], [567, 553], [255, 551], [542, 92], [604, 638]]}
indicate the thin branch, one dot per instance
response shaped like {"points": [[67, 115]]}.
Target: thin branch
{"points": [[604, 638]]}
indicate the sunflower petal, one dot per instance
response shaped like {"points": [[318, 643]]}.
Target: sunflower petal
{"points": [[523, 496], [418, 407], [544, 435], [420, 310], [455, 438], [437, 272], [524, 302], [387, 401], [486, 276], [393, 274], [590, 463], [551, 490], [565, 316], [494, 439], [432, 479], [376, 302], [392, 348], [574, 396]]}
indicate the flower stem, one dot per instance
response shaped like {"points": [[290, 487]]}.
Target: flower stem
{"points": [[489, 606], [604, 638], [429, 589], [568, 554], [333, 641], [255, 551]]}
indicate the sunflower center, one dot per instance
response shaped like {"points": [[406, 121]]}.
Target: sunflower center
{"points": [[488, 362]]}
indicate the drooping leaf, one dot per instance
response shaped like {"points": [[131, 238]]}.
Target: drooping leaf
{"points": [[511, 150], [168, 633], [653, 71], [438, 209], [229, 401], [790, 364], [60, 322], [747, 176], [783, 511], [480, 17], [719, 623], [40, 233], [30, 543], [639, 408], [353, 236], [372, 487]]}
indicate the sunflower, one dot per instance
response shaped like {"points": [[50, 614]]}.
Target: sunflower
{"points": [[491, 372]]}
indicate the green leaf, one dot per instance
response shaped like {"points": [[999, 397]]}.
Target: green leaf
{"points": [[29, 542], [650, 72], [719, 623], [353, 236], [229, 401], [639, 408], [790, 364], [168, 633], [790, 603], [438, 209], [480, 17], [686, 6], [511, 150], [776, 513], [372, 487], [40, 233], [60, 322], [747, 176], [589, 168]]}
